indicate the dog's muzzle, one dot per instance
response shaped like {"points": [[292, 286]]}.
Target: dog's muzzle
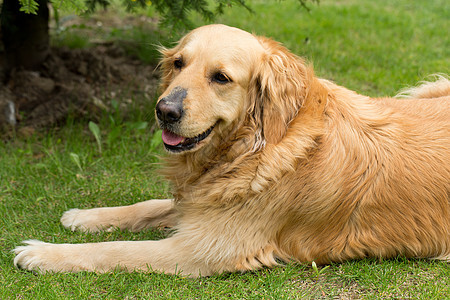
{"points": [[169, 111]]}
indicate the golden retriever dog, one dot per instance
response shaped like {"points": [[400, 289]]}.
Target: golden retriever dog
{"points": [[270, 163]]}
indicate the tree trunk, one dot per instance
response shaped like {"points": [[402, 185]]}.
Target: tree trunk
{"points": [[25, 36]]}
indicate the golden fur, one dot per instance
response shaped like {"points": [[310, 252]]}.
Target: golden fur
{"points": [[295, 168]]}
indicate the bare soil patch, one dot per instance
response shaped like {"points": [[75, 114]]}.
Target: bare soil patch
{"points": [[73, 81]]}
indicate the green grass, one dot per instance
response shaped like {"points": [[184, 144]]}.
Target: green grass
{"points": [[375, 47]]}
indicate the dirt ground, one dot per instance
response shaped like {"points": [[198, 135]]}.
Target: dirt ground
{"points": [[78, 82]]}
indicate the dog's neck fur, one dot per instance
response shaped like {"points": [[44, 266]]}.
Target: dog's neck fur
{"points": [[191, 172]]}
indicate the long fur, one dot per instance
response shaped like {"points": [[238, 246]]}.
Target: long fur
{"points": [[304, 170]]}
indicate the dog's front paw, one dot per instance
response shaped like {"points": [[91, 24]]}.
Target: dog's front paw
{"points": [[44, 257], [36, 255], [87, 220]]}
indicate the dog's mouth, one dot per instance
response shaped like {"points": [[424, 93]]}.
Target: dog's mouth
{"points": [[177, 143]]}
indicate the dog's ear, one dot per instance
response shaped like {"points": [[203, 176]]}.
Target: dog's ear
{"points": [[278, 90], [166, 65]]}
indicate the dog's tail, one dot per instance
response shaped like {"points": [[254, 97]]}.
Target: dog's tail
{"points": [[439, 87]]}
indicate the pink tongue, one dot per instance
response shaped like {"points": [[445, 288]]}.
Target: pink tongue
{"points": [[171, 138]]}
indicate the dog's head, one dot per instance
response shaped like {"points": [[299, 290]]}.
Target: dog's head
{"points": [[218, 76]]}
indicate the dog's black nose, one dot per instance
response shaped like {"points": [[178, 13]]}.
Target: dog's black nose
{"points": [[170, 108], [168, 111]]}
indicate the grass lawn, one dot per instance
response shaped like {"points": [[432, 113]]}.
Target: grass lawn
{"points": [[374, 47]]}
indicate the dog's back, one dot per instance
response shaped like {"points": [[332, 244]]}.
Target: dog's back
{"points": [[381, 177]]}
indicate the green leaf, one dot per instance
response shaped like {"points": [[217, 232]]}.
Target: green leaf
{"points": [[96, 132], [314, 266], [29, 6], [76, 159], [156, 139]]}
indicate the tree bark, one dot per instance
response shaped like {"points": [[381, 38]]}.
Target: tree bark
{"points": [[25, 37]]}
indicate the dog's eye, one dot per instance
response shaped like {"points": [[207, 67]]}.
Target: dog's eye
{"points": [[178, 63], [221, 78]]}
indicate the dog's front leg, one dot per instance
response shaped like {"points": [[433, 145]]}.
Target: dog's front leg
{"points": [[151, 213], [162, 256]]}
